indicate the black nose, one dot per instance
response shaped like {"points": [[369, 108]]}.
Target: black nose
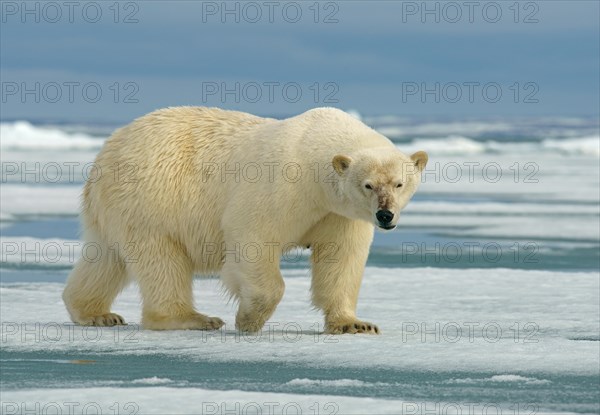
{"points": [[384, 216]]}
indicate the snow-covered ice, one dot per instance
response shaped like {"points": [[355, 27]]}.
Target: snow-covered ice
{"points": [[474, 336]]}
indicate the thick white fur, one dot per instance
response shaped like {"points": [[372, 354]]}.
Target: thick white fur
{"points": [[177, 193]]}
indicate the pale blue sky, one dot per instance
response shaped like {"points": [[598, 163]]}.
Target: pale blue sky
{"points": [[376, 58]]}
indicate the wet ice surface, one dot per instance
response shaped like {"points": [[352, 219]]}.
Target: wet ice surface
{"points": [[505, 337]]}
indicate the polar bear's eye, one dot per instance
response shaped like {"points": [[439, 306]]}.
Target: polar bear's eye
{"points": [[399, 185], [368, 186]]}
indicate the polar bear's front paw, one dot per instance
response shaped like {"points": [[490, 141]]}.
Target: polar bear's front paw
{"points": [[248, 324], [351, 327]]}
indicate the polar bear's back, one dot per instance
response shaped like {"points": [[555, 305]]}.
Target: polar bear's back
{"points": [[184, 129], [149, 173]]}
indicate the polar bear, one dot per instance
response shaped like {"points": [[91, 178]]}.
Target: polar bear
{"points": [[195, 190]]}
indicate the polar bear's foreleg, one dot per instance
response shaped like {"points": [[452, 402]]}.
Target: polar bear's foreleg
{"points": [[340, 250], [257, 286], [165, 275]]}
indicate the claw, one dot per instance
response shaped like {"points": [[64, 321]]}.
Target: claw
{"points": [[352, 328]]}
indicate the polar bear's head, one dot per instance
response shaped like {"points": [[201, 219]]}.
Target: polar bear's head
{"points": [[377, 183]]}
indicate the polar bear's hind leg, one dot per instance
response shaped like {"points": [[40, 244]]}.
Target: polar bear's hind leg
{"points": [[165, 275], [92, 287]]}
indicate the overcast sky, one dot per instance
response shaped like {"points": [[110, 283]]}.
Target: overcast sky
{"points": [[465, 59]]}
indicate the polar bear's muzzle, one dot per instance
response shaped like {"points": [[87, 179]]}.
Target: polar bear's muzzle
{"points": [[384, 219]]}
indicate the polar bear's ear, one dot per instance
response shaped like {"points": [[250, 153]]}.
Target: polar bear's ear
{"points": [[341, 163], [420, 158]]}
